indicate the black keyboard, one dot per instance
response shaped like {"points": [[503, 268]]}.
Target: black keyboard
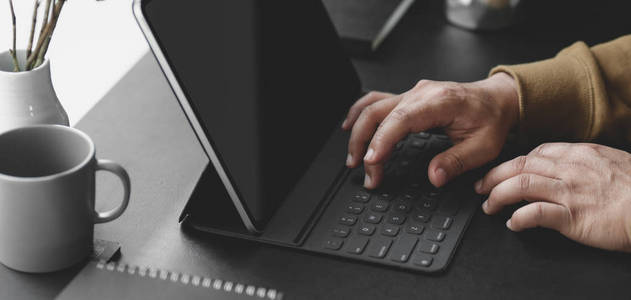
{"points": [[407, 222]]}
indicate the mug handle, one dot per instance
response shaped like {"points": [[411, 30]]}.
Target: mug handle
{"points": [[116, 169]]}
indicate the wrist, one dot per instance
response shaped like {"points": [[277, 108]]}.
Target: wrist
{"points": [[503, 89]]}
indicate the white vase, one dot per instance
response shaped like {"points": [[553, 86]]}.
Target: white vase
{"points": [[27, 97]]}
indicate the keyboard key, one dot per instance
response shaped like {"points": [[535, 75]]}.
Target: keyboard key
{"points": [[435, 235], [348, 220], [385, 196], [362, 197], [379, 247], [428, 247], [433, 193], [412, 152], [373, 218], [442, 223], [419, 144], [414, 229], [423, 260], [380, 206], [341, 231], [333, 244], [402, 248], [390, 230], [354, 208], [426, 204], [422, 135], [356, 244], [396, 219], [410, 195], [402, 206], [366, 229], [421, 217], [404, 164]]}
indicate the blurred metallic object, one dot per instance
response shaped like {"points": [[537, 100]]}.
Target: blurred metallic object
{"points": [[482, 14]]}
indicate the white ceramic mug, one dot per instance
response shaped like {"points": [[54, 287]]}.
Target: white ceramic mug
{"points": [[47, 187]]}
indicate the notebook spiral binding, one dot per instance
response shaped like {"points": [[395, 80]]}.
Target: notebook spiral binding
{"points": [[192, 280]]}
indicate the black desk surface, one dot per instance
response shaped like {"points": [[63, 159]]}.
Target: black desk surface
{"points": [[140, 125]]}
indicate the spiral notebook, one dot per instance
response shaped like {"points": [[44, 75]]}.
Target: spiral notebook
{"points": [[119, 281]]}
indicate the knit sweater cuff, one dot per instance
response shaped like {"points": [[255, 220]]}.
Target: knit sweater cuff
{"points": [[556, 96]]}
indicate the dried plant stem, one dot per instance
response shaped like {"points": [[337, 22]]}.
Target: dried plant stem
{"points": [[42, 33], [16, 64], [29, 48], [42, 44], [40, 57], [45, 20], [47, 8], [31, 60]]}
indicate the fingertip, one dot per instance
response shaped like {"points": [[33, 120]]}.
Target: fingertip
{"points": [[478, 186], [376, 156], [485, 207], [438, 177], [509, 225], [370, 156], [437, 172], [368, 182], [345, 124], [441, 176], [488, 208], [349, 160], [374, 176]]}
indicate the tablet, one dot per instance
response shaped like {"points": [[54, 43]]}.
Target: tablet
{"points": [[263, 84]]}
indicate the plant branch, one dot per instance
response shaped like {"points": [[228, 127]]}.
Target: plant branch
{"points": [[40, 56], [16, 67], [42, 45], [45, 20], [55, 18], [40, 42], [33, 24], [16, 64], [42, 33]]}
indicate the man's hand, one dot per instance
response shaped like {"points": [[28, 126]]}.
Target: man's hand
{"points": [[477, 117], [581, 190]]}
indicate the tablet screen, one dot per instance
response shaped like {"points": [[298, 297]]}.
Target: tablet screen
{"points": [[266, 79]]}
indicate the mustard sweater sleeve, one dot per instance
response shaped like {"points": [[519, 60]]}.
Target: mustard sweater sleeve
{"points": [[582, 94]]}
